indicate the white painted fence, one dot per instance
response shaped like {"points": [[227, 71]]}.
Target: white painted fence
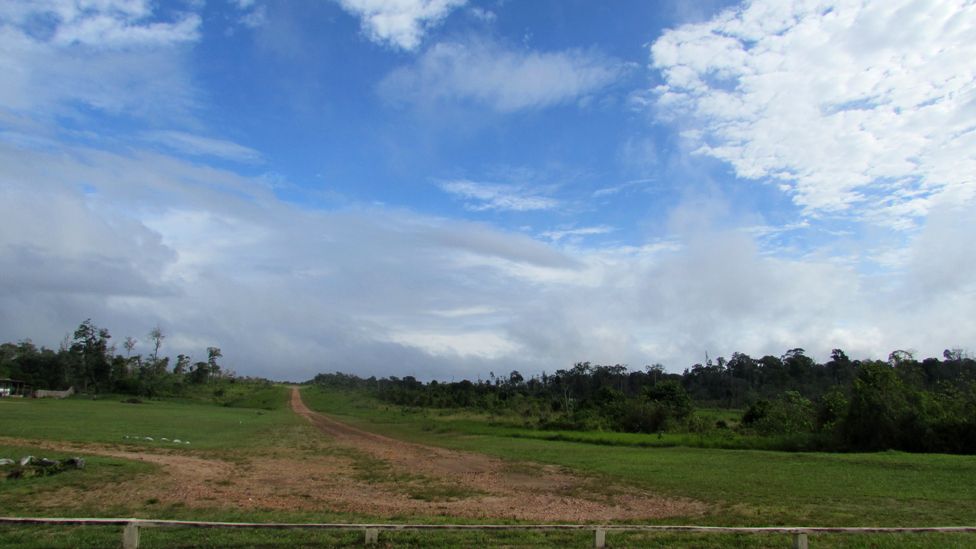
{"points": [[130, 534]]}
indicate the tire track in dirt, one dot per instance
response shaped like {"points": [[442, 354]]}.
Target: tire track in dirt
{"points": [[351, 471], [502, 489]]}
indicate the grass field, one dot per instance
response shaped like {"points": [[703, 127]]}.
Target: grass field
{"points": [[110, 419], [741, 487], [746, 487], [113, 423]]}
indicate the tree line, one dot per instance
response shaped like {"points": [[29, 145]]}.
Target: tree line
{"points": [[88, 361], [791, 400]]}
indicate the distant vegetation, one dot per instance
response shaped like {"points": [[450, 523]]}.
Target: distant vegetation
{"points": [[89, 362], [787, 402]]}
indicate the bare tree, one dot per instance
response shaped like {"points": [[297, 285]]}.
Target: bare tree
{"points": [[129, 344], [157, 336]]}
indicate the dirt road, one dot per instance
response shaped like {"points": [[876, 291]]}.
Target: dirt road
{"points": [[500, 488], [339, 468]]}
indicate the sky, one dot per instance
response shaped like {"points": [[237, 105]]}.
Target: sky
{"points": [[451, 188]]}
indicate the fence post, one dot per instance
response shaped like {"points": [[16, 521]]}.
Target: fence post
{"points": [[800, 541], [372, 536], [130, 536], [600, 540]]}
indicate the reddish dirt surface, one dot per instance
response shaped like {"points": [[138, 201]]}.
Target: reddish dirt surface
{"points": [[341, 468], [500, 488]]}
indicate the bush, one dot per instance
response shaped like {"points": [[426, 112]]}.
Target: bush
{"points": [[790, 414], [672, 396], [644, 417]]}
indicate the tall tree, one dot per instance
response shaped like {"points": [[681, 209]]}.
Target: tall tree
{"points": [[157, 336], [129, 344], [90, 349], [213, 353], [182, 364]]}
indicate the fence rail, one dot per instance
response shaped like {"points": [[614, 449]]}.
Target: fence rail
{"points": [[130, 534]]}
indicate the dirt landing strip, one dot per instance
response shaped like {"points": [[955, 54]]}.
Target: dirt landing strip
{"points": [[355, 471]]}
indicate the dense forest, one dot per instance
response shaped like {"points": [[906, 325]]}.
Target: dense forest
{"points": [[88, 361], [839, 405]]}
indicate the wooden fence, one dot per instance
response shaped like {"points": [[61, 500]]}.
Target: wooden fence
{"points": [[131, 526]]}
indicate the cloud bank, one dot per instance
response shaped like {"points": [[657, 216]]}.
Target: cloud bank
{"points": [[140, 238]]}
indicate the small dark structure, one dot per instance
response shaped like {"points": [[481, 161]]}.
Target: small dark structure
{"points": [[14, 388]]}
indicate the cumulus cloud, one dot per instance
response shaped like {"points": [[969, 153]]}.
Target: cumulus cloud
{"points": [[492, 196], [851, 106], [399, 23], [506, 80]]}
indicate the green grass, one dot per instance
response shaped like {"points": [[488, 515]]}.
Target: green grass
{"points": [[237, 394], [17, 495], [508, 424], [206, 426], [744, 487], [272, 397]]}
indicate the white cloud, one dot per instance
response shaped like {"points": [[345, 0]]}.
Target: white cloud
{"points": [[400, 23], [113, 56], [102, 23], [866, 106], [140, 238], [612, 190], [251, 16], [204, 146], [482, 344], [483, 15], [489, 196], [474, 310], [136, 239], [639, 156], [559, 234], [503, 79]]}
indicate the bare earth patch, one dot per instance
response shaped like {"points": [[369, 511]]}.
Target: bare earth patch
{"points": [[518, 491], [351, 470]]}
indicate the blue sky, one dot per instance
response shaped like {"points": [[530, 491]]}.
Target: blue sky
{"points": [[445, 188]]}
